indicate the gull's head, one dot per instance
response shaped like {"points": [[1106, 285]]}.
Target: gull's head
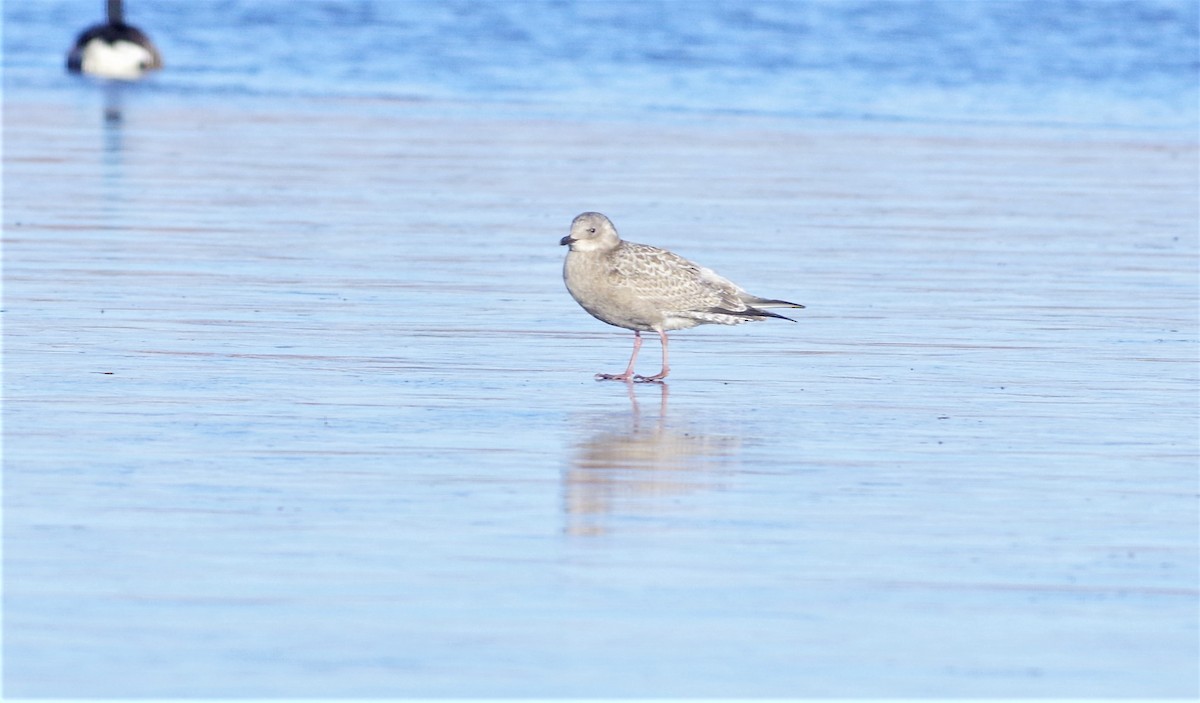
{"points": [[591, 231]]}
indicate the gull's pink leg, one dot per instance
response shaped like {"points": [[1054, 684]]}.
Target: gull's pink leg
{"points": [[628, 375], [666, 369]]}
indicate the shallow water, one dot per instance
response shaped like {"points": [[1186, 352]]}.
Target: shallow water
{"points": [[296, 404]]}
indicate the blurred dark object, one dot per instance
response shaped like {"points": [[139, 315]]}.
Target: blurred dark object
{"points": [[114, 49]]}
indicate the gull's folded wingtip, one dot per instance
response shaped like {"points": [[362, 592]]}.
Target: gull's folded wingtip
{"points": [[768, 303]]}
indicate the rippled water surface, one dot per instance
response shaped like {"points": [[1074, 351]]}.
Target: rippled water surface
{"points": [[296, 404], [1071, 62]]}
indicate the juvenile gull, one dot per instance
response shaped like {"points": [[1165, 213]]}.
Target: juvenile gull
{"points": [[644, 289]]}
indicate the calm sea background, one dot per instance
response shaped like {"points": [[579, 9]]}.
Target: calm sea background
{"points": [[1083, 62]]}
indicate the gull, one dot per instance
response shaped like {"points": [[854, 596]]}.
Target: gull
{"points": [[647, 289]]}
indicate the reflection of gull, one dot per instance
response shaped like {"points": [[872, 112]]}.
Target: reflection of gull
{"points": [[631, 469], [647, 289]]}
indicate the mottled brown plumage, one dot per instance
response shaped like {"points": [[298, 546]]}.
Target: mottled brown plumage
{"points": [[644, 288]]}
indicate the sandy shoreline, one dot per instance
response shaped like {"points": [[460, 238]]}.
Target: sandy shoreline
{"points": [[295, 403]]}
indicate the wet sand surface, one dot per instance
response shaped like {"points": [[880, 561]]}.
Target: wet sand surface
{"points": [[296, 404]]}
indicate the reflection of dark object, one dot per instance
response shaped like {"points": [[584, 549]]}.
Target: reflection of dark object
{"points": [[113, 114], [114, 49]]}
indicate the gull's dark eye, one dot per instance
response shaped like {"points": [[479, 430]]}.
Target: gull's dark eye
{"points": [[592, 230]]}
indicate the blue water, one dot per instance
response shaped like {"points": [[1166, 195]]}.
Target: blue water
{"points": [[1080, 63], [295, 403]]}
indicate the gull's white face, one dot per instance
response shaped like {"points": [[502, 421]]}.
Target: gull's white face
{"points": [[591, 231]]}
